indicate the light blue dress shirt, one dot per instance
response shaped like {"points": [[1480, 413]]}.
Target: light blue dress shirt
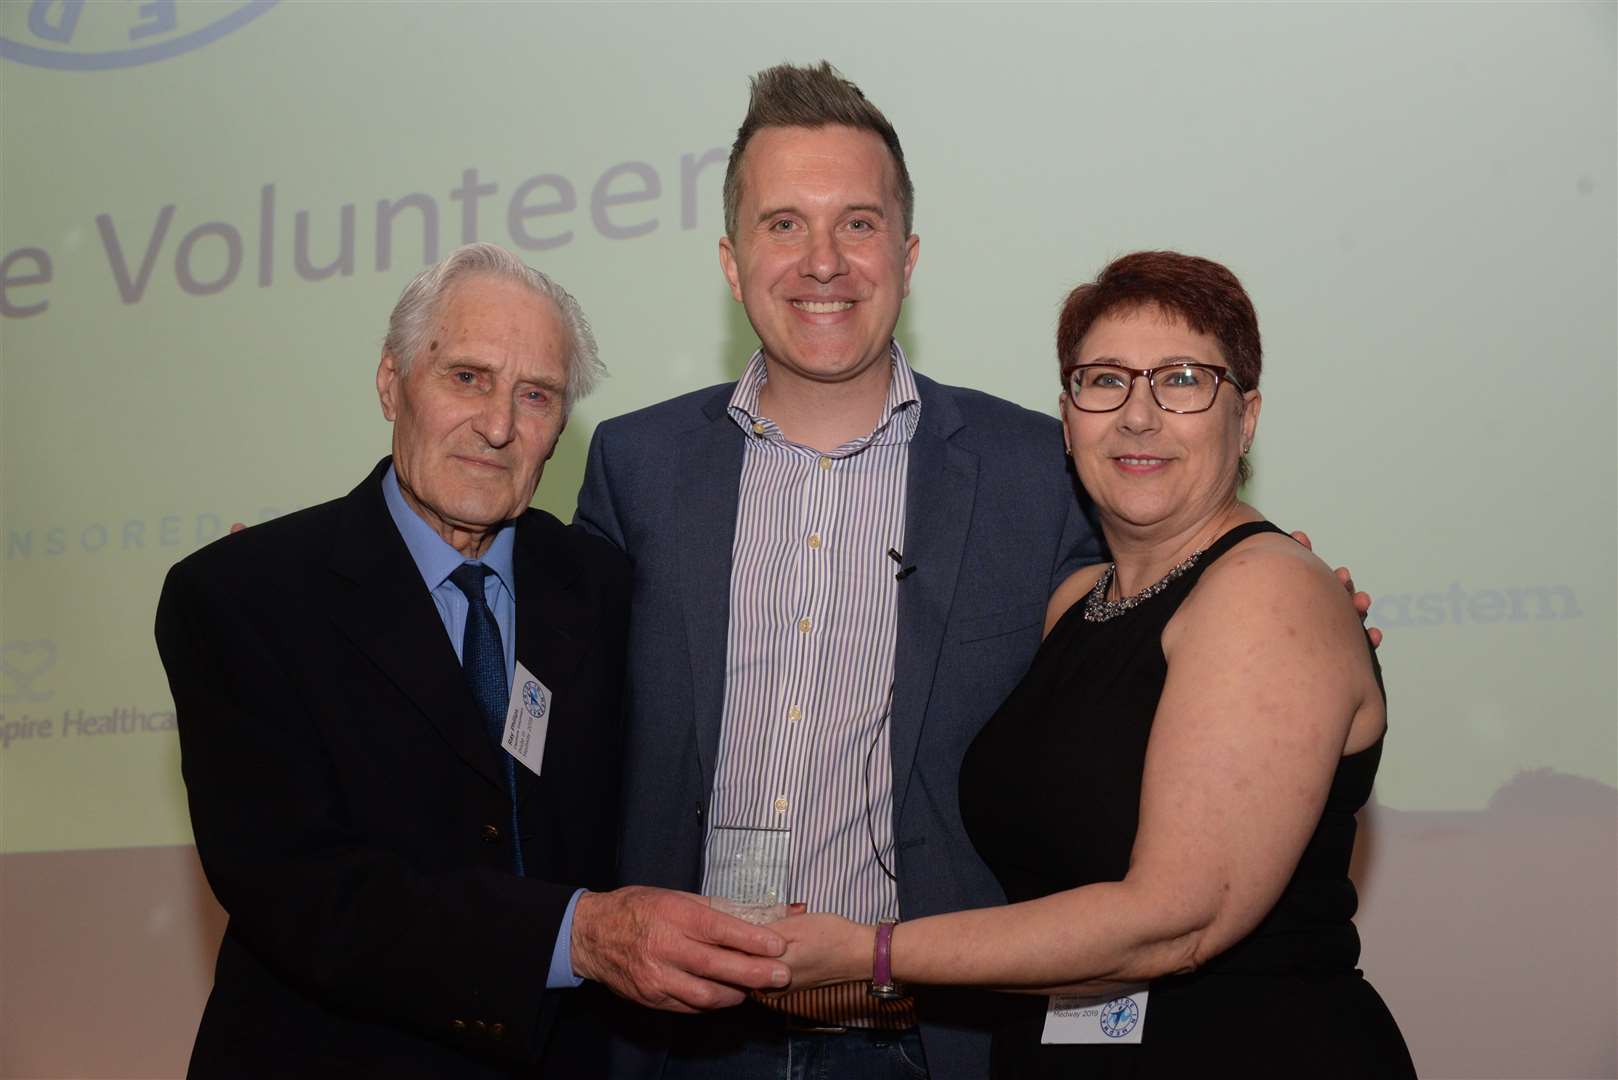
{"points": [[436, 560]]}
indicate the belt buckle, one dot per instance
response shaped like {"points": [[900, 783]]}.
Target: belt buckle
{"points": [[796, 1026]]}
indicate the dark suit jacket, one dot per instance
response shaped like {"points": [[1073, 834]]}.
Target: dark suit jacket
{"points": [[992, 525], [349, 813]]}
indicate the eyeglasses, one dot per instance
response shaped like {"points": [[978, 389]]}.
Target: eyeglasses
{"points": [[1177, 388]]}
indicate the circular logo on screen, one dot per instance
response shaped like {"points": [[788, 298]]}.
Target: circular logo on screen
{"points": [[77, 35], [533, 700], [1119, 1017]]}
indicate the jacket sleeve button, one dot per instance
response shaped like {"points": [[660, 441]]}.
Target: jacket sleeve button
{"points": [[490, 834], [457, 1026]]}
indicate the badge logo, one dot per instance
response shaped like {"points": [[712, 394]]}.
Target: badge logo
{"points": [[533, 699], [1119, 1017], [72, 35]]}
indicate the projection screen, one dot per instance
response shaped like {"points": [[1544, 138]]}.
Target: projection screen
{"points": [[207, 210]]}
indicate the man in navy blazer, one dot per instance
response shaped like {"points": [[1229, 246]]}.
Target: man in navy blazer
{"points": [[819, 249], [407, 899]]}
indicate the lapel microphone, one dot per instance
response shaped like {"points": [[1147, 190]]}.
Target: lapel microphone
{"points": [[899, 561]]}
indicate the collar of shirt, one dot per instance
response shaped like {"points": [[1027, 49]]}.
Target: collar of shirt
{"points": [[903, 404], [434, 556]]}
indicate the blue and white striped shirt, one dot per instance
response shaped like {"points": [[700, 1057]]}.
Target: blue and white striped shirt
{"points": [[804, 743]]}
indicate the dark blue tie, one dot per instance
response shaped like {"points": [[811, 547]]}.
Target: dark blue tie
{"points": [[483, 660]]}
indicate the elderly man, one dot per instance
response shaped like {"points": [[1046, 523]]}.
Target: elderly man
{"points": [[400, 725], [841, 569]]}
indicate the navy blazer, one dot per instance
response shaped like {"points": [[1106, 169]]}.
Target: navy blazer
{"points": [[992, 526], [349, 811]]}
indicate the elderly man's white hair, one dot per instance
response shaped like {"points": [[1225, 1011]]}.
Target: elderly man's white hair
{"points": [[412, 318]]}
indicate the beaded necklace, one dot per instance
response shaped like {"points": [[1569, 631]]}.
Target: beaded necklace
{"points": [[1097, 608]]}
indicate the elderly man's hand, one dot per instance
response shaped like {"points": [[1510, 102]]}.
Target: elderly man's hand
{"points": [[670, 950], [1362, 600]]}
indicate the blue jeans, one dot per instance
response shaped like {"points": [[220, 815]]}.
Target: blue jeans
{"points": [[749, 1043]]}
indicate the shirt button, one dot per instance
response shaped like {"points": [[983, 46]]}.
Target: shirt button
{"points": [[804, 626], [794, 714], [781, 805], [814, 540], [758, 427], [825, 464]]}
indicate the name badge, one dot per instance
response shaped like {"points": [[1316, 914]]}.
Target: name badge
{"points": [[1099, 1019], [528, 718]]}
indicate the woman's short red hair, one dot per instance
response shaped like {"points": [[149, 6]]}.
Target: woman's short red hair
{"points": [[1203, 293]]}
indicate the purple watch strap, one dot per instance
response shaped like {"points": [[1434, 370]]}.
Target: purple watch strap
{"points": [[882, 984]]}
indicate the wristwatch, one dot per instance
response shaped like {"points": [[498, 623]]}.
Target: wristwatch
{"points": [[882, 984]]}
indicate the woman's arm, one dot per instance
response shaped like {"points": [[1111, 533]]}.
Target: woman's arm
{"points": [[1268, 679]]}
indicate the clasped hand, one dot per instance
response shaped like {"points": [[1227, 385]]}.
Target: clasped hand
{"points": [[670, 950], [824, 949]]}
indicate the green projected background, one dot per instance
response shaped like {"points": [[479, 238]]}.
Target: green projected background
{"points": [[207, 210]]}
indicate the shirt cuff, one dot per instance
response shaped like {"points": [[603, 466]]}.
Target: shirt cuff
{"points": [[561, 975]]}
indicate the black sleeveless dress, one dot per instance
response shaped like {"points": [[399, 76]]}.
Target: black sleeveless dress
{"points": [[1050, 794]]}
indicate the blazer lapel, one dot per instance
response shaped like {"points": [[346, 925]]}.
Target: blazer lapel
{"points": [[381, 605], [705, 508], [552, 627], [941, 487]]}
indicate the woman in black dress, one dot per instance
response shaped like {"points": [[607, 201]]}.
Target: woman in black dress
{"points": [[1168, 797]]}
